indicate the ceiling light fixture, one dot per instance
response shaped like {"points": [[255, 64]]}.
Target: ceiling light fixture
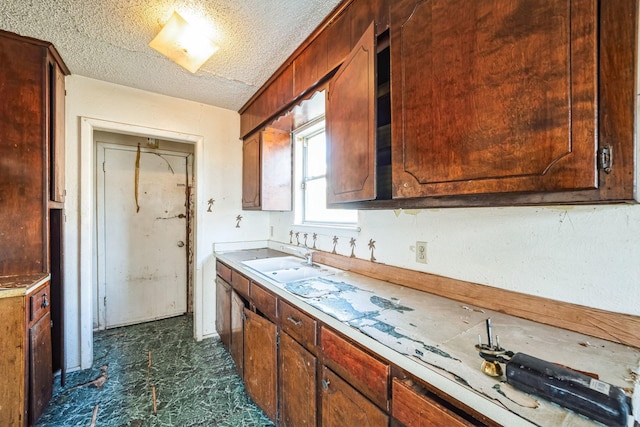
{"points": [[184, 43]]}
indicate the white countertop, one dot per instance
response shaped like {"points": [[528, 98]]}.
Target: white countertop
{"points": [[433, 338]]}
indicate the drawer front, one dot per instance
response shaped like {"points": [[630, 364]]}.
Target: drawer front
{"points": [[223, 271], [39, 303], [240, 284], [299, 325], [343, 405], [264, 301], [415, 409], [363, 371]]}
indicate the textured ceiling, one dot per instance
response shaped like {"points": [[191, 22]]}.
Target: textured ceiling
{"points": [[108, 40]]}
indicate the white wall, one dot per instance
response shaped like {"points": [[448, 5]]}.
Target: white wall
{"points": [[221, 179], [586, 255]]}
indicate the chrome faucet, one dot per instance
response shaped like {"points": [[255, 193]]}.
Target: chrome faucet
{"points": [[307, 254]]}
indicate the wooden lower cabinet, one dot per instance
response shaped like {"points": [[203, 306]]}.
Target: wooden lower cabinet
{"points": [[302, 373], [223, 311], [40, 369], [237, 332], [26, 375], [343, 405], [260, 362], [297, 387], [413, 408], [361, 369]]}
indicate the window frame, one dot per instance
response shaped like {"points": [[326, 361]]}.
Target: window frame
{"points": [[300, 136]]}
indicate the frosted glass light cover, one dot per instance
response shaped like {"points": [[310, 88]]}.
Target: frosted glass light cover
{"points": [[183, 43]]}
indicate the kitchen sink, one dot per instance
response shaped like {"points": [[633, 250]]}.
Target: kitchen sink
{"points": [[288, 269]]}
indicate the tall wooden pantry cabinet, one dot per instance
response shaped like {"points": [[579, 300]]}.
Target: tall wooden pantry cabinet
{"points": [[32, 195]]}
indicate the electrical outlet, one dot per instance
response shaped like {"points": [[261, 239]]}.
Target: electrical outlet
{"points": [[421, 252]]}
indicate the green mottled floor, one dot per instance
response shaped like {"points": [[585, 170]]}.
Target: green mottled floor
{"points": [[196, 382]]}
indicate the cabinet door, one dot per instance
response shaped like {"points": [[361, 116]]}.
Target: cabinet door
{"points": [[251, 172], [40, 373], [493, 97], [223, 311], [342, 405], [276, 168], [351, 125], [415, 409], [22, 180], [237, 332], [297, 391], [266, 171], [260, 364], [55, 119]]}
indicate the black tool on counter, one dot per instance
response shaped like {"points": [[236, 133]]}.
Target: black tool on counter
{"points": [[573, 390]]}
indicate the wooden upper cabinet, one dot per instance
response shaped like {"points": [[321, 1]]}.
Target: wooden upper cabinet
{"points": [[251, 172], [351, 125], [55, 130], [311, 65], [339, 39], [31, 118], [493, 96], [266, 171]]}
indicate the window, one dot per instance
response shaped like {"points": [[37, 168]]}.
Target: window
{"points": [[311, 171]]}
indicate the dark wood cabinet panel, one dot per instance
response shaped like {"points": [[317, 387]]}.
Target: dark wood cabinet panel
{"points": [[362, 370], [22, 148], [339, 39], [240, 284], [297, 385], [31, 119], [56, 131], [264, 301], [13, 369], [223, 311], [223, 271], [415, 409], [237, 332], [266, 171], [251, 172], [40, 371], [260, 362], [506, 105], [299, 325], [342, 405], [351, 125], [311, 65]]}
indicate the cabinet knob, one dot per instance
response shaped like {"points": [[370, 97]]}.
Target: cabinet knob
{"points": [[180, 244], [45, 301], [325, 384]]}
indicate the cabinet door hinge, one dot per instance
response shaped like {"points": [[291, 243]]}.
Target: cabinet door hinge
{"points": [[244, 316], [277, 340], [104, 300], [604, 158]]}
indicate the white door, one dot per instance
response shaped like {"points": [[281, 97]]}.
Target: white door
{"points": [[144, 244]]}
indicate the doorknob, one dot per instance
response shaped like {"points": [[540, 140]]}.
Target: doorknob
{"points": [[180, 244]]}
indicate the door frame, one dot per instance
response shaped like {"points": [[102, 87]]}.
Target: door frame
{"points": [[101, 217], [87, 216]]}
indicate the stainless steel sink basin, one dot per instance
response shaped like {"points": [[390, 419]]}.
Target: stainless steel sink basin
{"points": [[288, 269]]}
